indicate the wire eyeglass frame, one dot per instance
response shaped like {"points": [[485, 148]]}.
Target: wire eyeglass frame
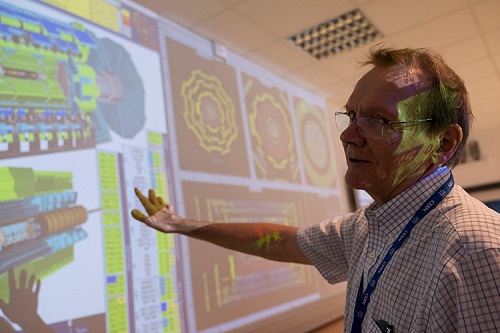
{"points": [[370, 127]]}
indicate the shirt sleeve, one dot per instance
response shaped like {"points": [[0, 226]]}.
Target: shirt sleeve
{"points": [[468, 296], [325, 246]]}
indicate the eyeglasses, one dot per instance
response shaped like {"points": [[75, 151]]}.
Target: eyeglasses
{"points": [[369, 127]]}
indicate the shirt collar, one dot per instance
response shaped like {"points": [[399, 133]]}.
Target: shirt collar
{"points": [[393, 215]]}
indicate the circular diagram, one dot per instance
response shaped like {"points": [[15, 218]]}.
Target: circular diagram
{"points": [[209, 112], [272, 133], [316, 154]]}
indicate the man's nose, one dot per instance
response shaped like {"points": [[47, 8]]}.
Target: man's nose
{"points": [[352, 134]]}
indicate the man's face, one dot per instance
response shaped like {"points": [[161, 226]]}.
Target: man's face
{"points": [[386, 166]]}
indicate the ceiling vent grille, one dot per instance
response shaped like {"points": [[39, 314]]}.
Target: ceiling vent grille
{"points": [[337, 35]]}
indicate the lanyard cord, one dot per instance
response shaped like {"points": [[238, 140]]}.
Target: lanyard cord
{"points": [[362, 302]]}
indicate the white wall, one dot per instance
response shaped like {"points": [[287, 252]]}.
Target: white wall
{"points": [[486, 170]]}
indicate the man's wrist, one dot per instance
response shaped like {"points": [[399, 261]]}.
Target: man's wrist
{"points": [[191, 225]]}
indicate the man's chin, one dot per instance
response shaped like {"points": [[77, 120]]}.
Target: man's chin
{"points": [[357, 182]]}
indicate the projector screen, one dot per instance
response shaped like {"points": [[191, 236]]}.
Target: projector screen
{"points": [[99, 97]]}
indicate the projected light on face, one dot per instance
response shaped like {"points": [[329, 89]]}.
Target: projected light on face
{"points": [[415, 146], [381, 165]]}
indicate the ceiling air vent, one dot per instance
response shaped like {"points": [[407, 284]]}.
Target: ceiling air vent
{"points": [[339, 34]]}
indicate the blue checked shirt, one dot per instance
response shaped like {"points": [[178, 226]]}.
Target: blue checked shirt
{"points": [[444, 278]]}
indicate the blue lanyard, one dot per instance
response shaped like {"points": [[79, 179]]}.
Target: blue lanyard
{"points": [[362, 302]]}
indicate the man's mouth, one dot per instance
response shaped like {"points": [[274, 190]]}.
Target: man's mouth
{"points": [[353, 160]]}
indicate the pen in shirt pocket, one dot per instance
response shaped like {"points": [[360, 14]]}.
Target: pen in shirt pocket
{"points": [[385, 327]]}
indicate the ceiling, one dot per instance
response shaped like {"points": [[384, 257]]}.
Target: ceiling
{"points": [[465, 32]]}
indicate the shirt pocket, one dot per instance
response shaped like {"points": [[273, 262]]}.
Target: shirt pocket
{"points": [[371, 326]]}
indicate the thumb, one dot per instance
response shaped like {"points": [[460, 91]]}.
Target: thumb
{"points": [[138, 215]]}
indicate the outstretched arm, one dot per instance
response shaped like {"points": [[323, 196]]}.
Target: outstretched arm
{"points": [[267, 240]]}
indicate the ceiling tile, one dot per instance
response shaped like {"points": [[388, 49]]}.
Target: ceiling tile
{"points": [[346, 65], [493, 41], [464, 52], [230, 2], [485, 85], [275, 53], [444, 31], [288, 17], [315, 74], [393, 16], [487, 14], [187, 12], [476, 70], [362, 2], [230, 28], [496, 61]]}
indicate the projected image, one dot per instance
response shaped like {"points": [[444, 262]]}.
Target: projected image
{"points": [[75, 110], [317, 156], [229, 122], [228, 285], [139, 27], [144, 260], [207, 113], [273, 143], [63, 88], [119, 105], [49, 229], [40, 218], [100, 97]]}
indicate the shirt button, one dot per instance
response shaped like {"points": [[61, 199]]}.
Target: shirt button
{"points": [[372, 254], [390, 239]]}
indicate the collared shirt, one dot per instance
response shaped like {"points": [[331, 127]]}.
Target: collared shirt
{"points": [[444, 278]]}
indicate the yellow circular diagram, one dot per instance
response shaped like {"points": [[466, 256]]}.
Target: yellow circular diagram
{"points": [[209, 112], [271, 129], [316, 154]]}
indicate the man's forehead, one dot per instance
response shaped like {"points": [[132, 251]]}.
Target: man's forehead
{"points": [[407, 77], [387, 86]]}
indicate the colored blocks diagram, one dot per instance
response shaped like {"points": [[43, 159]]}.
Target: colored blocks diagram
{"points": [[61, 87]]}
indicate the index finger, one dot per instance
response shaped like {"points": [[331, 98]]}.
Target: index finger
{"points": [[148, 205], [153, 198]]}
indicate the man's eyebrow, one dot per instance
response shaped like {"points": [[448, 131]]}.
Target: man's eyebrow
{"points": [[372, 108]]}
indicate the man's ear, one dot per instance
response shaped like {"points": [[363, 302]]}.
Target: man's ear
{"points": [[451, 138]]}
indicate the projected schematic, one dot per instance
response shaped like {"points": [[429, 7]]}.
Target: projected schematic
{"points": [[209, 112], [208, 120], [40, 223], [241, 277], [225, 278], [273, 143], [317, 155], [63, 88]]}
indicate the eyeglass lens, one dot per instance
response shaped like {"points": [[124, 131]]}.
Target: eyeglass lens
{"points": [[367, 126]]}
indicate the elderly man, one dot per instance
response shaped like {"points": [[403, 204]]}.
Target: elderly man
{"points": [[425, 256]]}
